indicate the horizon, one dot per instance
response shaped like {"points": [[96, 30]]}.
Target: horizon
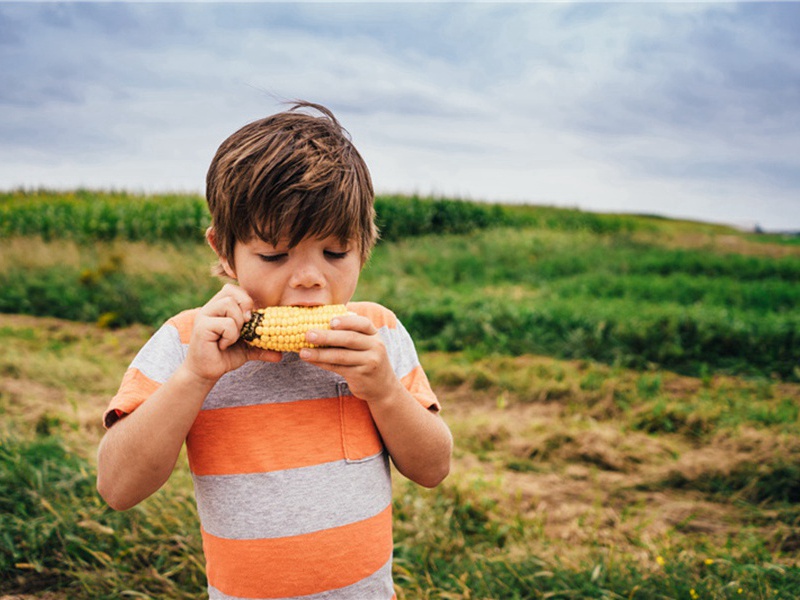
{"points": [[687, 111]]}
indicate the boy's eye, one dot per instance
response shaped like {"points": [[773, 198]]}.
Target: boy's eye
{"points": [[335, 255], [272, 257]]}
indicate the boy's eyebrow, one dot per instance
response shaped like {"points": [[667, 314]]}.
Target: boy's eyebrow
{"points": [[262, 243], [284, 242]]}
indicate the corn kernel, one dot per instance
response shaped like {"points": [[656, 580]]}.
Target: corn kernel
{"points": [[284, 328]]}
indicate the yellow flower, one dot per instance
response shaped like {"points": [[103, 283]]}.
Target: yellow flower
{"points": [[660, 560], [709, 561], [740, 591], [693, 594]]}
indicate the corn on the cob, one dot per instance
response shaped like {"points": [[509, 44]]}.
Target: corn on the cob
{"points": [[283, 328]]}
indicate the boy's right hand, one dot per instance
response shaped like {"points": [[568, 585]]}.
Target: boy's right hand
{"points": [[214, 348]]}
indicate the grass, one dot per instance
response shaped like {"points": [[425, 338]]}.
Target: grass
{"points": [[585, 295], [623, 394], [568, 482], [567, 294], [90, 215]]}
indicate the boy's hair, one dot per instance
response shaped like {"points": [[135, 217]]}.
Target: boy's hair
{"points": [[291, 174]]}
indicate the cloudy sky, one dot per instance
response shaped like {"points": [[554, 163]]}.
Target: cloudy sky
{"points": [[679, 109]]}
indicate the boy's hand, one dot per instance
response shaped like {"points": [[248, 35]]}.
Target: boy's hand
{"points": [[353, 350], [213, 349]]}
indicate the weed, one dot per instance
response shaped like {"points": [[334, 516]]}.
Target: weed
{"points": [[57, 532]]}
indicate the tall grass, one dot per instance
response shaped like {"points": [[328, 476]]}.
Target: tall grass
{"points": [[450, 543], [111, 298], [88, 215], [56, 533], [603, 297], [491, 279]]}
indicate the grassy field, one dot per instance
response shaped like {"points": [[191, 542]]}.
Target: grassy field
{"points": [[623, 392]]}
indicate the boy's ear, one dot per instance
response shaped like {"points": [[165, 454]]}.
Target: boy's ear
{"points": [[211, 238]]}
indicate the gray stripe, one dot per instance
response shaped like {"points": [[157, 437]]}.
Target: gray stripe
{"points": [[400, 348], [292, 379], [377, 586], [258, 382], [294, 501], [161, 356]]}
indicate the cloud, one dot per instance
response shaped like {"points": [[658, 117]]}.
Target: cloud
{"points": [[606, 106]]}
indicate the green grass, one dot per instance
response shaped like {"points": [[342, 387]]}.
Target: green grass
{"points": [[622, 391], [450, 543], [87, 215], [572, 294], [582, 295], [575, 426], [58, 534]]}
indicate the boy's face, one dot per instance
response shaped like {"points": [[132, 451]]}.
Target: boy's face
{"points": [[316, 271]]}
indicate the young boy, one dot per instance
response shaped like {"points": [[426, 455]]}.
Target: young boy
{"points": [[289, 453]]}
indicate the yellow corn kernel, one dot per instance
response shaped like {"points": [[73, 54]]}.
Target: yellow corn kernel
{"points": [[284, 328]]}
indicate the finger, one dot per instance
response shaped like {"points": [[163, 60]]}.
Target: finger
{"points": [[230, 292], [352, 340], [354, 322], [332, 357], [241, 297], [227, 331], [220, 330], [226, 306]]}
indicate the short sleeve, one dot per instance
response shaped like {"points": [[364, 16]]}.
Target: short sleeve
{"points": [[401, 351], [155, 363]]}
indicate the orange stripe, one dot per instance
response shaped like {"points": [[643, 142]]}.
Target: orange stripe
{"points": [[361, 437], [134, 389], [184, 322], [273, 437], [379, 315], [417, 383], [299, 565]]}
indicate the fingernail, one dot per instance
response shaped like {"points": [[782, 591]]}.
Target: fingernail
{"points": [[335, 323], [312, 336], [305, 353], [248, 315]]}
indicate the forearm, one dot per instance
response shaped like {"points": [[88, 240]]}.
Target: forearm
{"points": [[417, 439], [138, 453]]}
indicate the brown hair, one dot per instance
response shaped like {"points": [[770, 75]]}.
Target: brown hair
{"points": [[291, 174]]}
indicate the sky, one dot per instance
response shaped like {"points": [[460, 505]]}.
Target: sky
{"points": [[685, 110]]}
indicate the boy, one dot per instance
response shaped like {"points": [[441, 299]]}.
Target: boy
{"points": [[289, 453]]}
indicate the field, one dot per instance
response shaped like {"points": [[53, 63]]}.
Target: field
{"points": [[624, 393]]}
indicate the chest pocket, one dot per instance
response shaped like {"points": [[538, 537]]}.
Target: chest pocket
{"points": [[360, 438]]}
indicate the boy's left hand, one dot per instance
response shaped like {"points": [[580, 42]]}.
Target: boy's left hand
{"points": [[352, 349]]}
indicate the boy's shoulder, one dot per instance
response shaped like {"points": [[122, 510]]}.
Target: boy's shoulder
{"points": [[183, 323]]}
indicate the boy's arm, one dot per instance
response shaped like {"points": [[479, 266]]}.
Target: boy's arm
{"points": [[418, 440], [137, 454]]}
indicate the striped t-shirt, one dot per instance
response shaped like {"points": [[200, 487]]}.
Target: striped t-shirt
{"points": [[291, 478]]}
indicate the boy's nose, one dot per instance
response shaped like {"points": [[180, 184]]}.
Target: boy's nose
{"points": [[308, 276]]}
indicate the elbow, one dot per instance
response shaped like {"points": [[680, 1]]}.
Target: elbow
{"points": [[430, 475], [110, 498], [112, 495], [435, 477], [437, 471]]}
